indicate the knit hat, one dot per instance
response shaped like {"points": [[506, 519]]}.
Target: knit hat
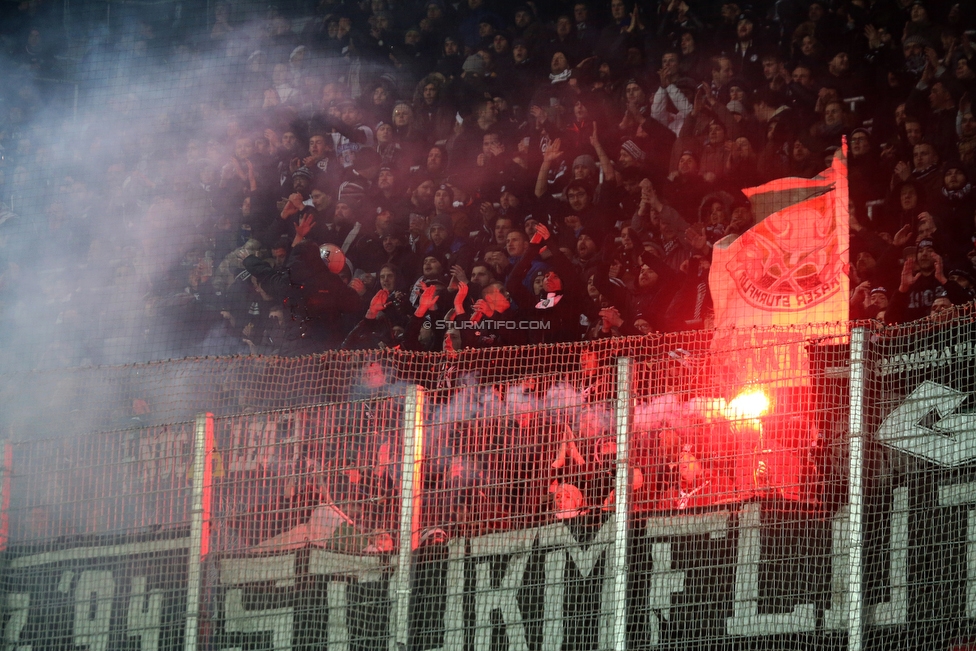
{"points": [[739, 82], [446, 188], [955, 164], [916, 39], [442, 220], [593, 233], [962, 273], [636, 82], [440, 257], [302, 172], [351, 193], [474, 64], [635, 151], [586, 161]]}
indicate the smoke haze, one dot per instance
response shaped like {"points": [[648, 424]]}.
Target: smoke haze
{"points": [[115, 123]]}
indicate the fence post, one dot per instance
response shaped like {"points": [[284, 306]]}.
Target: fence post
{"points": [[6, 469], [203, 445], [411, 479], [621, 504], [855, 491]]}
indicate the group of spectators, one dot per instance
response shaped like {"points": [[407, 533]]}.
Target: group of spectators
{"points": [[435, 175]]}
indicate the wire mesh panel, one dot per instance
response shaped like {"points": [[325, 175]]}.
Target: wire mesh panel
{"points": [[517, 505], [99, 540], [743, 486], [305, 515], [739, 531], [918, 522], [177, 180], [122, 482]]}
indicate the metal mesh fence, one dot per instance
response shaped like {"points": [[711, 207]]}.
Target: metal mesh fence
{"points": [[762, 487], [918, 536], [610, 496], [99, 540]]}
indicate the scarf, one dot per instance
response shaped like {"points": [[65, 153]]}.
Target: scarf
{"points": [[562, 76], [957, 195], [551, 300], [921, 174]]}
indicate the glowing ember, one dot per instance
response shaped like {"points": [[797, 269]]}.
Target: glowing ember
{"points": [[748, 405]]}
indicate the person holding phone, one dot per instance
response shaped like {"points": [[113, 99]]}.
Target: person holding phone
{"points": [[923, 280]]}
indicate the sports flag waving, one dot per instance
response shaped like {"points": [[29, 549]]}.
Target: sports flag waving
{"points": [[790, 268]]}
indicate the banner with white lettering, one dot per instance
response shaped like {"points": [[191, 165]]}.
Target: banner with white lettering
{"points": [[103, 594], [762, 570], [755, 571]]}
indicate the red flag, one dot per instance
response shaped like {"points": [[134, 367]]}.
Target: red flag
{"points": [[789, 269]]}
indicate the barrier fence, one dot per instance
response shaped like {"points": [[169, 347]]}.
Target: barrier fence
{"points": [[782, 489]]}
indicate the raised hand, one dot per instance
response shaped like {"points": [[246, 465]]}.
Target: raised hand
{"points": [[295, 204], [903, 236], [487, 210], [378, 303], [874, 38], [665, 77], [481, 308], [357, 286], [541, 234], [251, 180], [273, 139], [699, 102], [939, 269], [594, 138], [611, 318], [908, 276], [227, 172], [458, 272], [304, 226], [554, 152], [428, 299], [462, 293]]}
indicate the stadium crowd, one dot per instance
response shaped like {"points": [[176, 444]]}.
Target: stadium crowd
{"points": [[470, 174]]}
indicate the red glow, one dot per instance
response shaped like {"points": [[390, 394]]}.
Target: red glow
{"points": [[750, 404]]}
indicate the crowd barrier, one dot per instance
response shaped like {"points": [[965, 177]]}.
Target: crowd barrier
{"points": [[799, 488]]}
